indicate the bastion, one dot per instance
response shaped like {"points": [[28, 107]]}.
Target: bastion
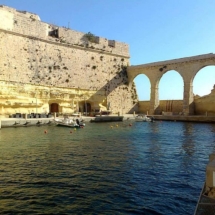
{"points": [[47, 68]]}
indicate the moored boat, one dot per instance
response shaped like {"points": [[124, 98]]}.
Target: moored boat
{"points": [[143, 118], [67, 122]]}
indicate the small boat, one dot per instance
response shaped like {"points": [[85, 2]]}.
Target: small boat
{"points": [[39, 123], [27, 123], [143, 118], [67, 122]]}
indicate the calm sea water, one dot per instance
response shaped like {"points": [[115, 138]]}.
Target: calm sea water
{"points": [[146, 168]]}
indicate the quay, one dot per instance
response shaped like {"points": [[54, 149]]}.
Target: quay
{"points": [[21, 122], [194, 118], [206, 201]]}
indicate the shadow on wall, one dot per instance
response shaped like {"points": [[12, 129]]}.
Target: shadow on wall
{"points": [[126, 94], [135, 109]]}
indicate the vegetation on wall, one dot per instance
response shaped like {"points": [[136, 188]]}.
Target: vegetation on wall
{"points": [[90, 37]]}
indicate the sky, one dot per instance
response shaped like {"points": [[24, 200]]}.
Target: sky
{"points": [[155, 30]]}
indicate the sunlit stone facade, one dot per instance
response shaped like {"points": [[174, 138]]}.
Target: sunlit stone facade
{"points": [[46, 68]]}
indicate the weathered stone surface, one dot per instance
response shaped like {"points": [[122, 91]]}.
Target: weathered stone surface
{"points": [[187, 67], [42, 64]]}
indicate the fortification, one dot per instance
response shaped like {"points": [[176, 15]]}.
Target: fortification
{"points": [[47, 68]]}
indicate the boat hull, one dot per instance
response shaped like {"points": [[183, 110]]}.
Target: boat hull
{"points": [[68, 125]]}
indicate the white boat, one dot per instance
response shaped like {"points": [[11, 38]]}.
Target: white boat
{"points": [[143, 118], [67, 122]]}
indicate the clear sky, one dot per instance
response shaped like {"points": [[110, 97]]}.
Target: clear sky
{"points": [[155, 30]]}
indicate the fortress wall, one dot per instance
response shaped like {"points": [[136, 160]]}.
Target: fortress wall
{"points": [[102, 44], [29, 24], [172, 106], [30, 56], [22, 22], [202, 105], [204, 108], [37, 62], [144, 107], [205, 105]]}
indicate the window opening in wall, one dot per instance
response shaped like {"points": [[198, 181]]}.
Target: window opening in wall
{"points": [[54, 33], [111, 43]]}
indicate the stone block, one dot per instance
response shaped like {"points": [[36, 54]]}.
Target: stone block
{"points": [[210, 174], [211, 157]]}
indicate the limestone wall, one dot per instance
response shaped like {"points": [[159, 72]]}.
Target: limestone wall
{"points": [[29, 24], [35, 53], [205, 105], [165, 106], [144, 107]]}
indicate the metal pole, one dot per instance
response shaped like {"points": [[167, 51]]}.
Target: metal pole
{"points": [[85, 106], [36, 105]]}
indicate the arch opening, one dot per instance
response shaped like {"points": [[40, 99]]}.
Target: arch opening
{"points": [[204, 91], [143, 87], [204, 81], [171, 86], [171, 92]]}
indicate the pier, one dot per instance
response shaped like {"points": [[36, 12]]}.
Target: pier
{"points": [[197, 118], [14, 122]]}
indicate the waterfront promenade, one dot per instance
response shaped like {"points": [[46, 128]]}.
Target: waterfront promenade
{"points": [[18, 122]]}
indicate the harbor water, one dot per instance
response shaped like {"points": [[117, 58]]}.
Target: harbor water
{"points": [[104, 168]]}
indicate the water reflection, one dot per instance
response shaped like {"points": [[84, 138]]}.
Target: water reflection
{"points": [[140, 169], [188, 144]]}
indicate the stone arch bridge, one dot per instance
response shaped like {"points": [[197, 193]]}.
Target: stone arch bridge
{"points": [[187, 67]]}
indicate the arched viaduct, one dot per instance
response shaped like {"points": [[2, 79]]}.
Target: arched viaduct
{"points": [[187, 67]]}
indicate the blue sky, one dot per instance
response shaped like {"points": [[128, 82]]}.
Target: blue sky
{"points": [[155, 30]]}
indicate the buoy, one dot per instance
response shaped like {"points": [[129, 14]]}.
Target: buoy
{"points": [[111, 126], [116, 125], [45, 132], [74, 129]]}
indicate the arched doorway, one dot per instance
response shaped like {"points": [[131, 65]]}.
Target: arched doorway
{"points": [[87, 107], [54, 108]]}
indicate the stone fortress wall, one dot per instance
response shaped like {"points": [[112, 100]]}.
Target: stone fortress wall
{"points": [[43, 64], [204, 106]]}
